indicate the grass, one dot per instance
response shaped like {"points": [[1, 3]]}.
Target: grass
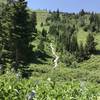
{"points": [[81, 36], [97, 38], [41, 18]]}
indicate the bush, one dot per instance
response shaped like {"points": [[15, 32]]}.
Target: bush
{"points": [[68, 59], [21, 89]]}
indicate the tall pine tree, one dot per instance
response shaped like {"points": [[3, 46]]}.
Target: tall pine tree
{"points": [[21, 33], [90, 44]]}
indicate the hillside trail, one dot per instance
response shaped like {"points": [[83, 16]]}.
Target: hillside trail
{"points": [[55, 56]]}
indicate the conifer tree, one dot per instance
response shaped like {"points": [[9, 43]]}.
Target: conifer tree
{"points": [[92, 22], [44, 33], [5, 26], [90, 44], [73, 43], [82, 12], [97, 22], [41, 45], [22, 33], [58, 15], [33, 22], [42, 40], [80, 52]]}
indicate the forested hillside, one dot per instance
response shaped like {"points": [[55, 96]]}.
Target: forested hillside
{"points": [[48, 55]]}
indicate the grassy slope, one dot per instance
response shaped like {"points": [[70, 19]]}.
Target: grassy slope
{"points": [[88, 69], [41, 18], [3, 1], [81, 35], [62, 75]]}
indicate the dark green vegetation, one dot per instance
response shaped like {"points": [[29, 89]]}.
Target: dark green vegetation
{"points": [[26, 59]]}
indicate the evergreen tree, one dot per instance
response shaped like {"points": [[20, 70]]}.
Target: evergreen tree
{"points": [[5, 25], [44, 33], [82, 12], [21, 33], [97, 23], [41, 45], [67, 42], [57, 15], [1, 45], [80, 53], [90, 44], [73, 43], [41, 24], [42, 40], [82, 21], [53, 30], [92, 18], [33, 22], [92, 22]]}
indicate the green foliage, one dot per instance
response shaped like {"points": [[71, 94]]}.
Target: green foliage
{"points": [[33, 22], [66, 34], [44, 33], [80, 53], [41, 24], [43, 39], [5, 25], [73, 43], [20, 89], [82, 12], [68, 59], [55, 16], [84, 52], [16, 33], [21, 33], [90, 44], [94, 22], [41, 45]]}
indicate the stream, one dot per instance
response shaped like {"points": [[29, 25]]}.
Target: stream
{"points": [[55, 56]]}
